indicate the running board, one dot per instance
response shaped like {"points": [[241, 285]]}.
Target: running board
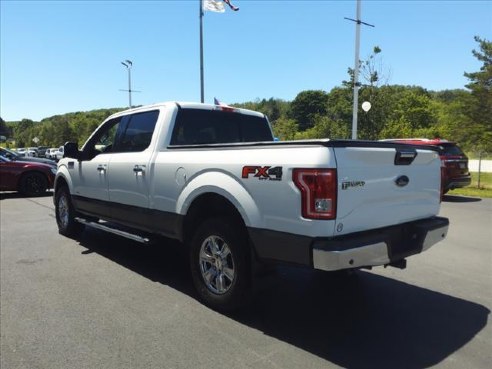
{"points": [[118, 232]]}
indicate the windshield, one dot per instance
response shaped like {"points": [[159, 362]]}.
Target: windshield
{"points": [[9, 154]]}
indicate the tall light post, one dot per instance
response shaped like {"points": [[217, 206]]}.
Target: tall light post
{"points": [[358, 22], [128, 64]]}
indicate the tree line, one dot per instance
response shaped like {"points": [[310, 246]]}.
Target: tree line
{"points": [[460, 115]]}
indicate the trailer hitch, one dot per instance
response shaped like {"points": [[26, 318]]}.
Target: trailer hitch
{"points": [[400, 264]]}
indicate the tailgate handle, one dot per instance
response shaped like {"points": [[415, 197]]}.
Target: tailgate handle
{"points": [[405, 156]]}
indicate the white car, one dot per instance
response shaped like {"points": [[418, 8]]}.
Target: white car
{"points": [[50, 153], [59, 153], [26, 152]]}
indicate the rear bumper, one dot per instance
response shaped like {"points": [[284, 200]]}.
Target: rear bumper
{"points": [[379, 247], [371, 248], [458, 182]]}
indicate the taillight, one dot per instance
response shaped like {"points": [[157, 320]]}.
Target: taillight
{"points": [[443, 177], [318, 192]]}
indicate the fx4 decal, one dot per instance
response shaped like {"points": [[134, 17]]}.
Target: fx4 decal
{"points": [[263, 173]]}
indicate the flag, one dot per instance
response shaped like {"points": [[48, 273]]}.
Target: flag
{"points": [[217, 102], [218, 5], [228, 2], [213, 6]]}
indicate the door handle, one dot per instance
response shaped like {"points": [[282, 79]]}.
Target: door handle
{"points": [[139, 169], [101, 168]]}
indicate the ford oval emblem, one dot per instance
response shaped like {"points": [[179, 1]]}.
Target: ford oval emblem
{"points": [[402, 181]]}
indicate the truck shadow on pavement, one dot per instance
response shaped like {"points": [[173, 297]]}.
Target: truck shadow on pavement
{"points": [[4, 195], [454, 198], [362, 320]]}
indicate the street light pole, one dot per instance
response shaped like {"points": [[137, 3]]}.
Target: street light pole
{"points": [[356, 74], [202, 89], [357, 22], [128, 64]]}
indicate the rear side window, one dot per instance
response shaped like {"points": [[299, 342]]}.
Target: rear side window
{"points": [[137, 132], [198, 127]]}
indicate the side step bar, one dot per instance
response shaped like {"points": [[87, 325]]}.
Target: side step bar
{"points": [[118, 232]]}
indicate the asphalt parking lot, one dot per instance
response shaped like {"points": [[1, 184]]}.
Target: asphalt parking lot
{"points": [[106, 302]]}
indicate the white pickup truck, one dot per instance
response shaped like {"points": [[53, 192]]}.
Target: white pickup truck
{"points": [[213, 178]]}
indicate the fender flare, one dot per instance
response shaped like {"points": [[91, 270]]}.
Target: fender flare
{"points": [[229, 188], [65, 175]]}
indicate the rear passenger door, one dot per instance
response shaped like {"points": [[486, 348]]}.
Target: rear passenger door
{"points": [[129, 171]]}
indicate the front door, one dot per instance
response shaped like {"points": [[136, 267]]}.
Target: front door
{"points": [[90, 175]]}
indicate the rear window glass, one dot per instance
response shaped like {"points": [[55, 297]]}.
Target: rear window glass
{"points": [[198, 127], [451, 150]]}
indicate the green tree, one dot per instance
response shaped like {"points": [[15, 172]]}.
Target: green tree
{"points": [[4, 129], [285, 129], [478, 110], [414, 106], [306, 106], [23, 132], [371, 71], [272, 108], [324, 127]]}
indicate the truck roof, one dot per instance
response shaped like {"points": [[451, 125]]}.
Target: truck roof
{"points": [[190, 105]]}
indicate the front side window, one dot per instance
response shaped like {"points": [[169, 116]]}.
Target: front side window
{"points": [[104, 139]]}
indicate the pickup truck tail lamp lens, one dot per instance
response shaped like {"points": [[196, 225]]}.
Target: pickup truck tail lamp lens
{"points": [[318, 192], [443, 177]]}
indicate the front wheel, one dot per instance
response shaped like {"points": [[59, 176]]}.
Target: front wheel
{"points": [[220, 264], [65, 214]]}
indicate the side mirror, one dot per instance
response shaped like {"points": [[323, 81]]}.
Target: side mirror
{"points": [[71, 150]]}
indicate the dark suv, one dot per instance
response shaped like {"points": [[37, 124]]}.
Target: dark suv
{"points": [[455, 163]]}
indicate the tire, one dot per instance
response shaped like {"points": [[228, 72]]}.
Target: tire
{"points": [[220, 264], [33, 184], [65, 214]]}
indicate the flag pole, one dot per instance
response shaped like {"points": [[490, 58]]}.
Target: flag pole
{"points": [[202, 94]]}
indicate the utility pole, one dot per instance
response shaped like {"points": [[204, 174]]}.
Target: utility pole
{"points": [[358, 22], [202, 89], [128, 64]]}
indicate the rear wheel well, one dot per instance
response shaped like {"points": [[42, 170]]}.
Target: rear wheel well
{"points": [[209, 206]]}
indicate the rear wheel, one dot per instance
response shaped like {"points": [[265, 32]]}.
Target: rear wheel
{"points": [[65, 214], [220, 264], [33, 184]]}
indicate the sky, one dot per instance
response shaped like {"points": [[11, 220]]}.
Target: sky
{"points": [[58, 57]]}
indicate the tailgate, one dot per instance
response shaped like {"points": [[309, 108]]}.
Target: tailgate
{"points": [[383, 186]]}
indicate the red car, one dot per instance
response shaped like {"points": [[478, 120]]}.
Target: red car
{"points": [[29, 178], [455, 172]]}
